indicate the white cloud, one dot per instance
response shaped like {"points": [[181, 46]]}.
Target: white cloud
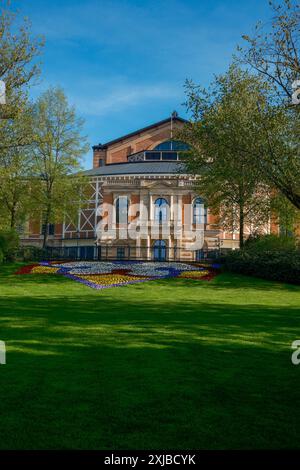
{"points": [[123, 97]]}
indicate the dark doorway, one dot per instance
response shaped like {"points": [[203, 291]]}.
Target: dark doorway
{"points": [[159, 250]]}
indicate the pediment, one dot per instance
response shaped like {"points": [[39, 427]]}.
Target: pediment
{"points": [[158, 184]]}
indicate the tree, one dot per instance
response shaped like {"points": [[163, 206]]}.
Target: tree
{"points": [[278, 155], [16, 167], [18, 67], [18, 51], [273, 53], [57, 151], [288, 216], [223, 120]]}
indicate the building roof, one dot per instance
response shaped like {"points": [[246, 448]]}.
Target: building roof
{"points": [[137, 168], [139, 131]]}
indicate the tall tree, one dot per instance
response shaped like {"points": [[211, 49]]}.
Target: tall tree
{"points": [[57, 150], [18, 53], [273, 53], [223, 119], [16, 167], [278, 154]]}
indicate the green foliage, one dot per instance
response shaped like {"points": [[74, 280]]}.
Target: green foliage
{"points": [[57, 151], [31, 253], [16, 166], [272, 53], [224, 119], [18, 53], [273, 50], [270, 243], [288, 215], [9, 242], [269, 257], [18, 67]]}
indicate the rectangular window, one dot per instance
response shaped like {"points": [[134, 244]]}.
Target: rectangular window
{"points": [[152, 155], [120, 252], [122, 205], [51, 229], [169, 156]]}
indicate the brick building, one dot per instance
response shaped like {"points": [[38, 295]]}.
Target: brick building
{"points": [[142, 204]]}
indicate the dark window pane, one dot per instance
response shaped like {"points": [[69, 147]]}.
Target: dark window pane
{"points": [[164, 146], [121, 252], [161, 210], [169, 156], [51, 229], [122, 210], [177, 145], [152, 155], [172, 145], [199, 212]]}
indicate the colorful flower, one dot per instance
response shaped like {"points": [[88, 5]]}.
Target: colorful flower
{"points": [[103, 274], [194, 274], [44, 270]]}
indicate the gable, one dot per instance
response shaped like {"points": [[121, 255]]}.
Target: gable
{"points": [[147, 139]]}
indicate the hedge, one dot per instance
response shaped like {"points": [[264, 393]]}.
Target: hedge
{"points": [[274, 265]]}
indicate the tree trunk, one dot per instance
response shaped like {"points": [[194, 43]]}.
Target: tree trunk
{"points": [[45, 237], [241, 226], [13, 218], [291, 196], [46, 222]]}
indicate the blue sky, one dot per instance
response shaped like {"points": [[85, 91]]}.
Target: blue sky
{"points": [[123, 63]]}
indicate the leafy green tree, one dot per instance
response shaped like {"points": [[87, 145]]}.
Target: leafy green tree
{"points": [[273, 54], [57, 150], [9, 243], [18, 68], [16, 166], [18, 53], [224, 120], [288, 215]]}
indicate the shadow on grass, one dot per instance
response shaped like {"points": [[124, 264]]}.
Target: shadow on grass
{"points": [[171, 364]]}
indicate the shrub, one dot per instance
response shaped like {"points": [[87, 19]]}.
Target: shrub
{"points": [[9, 243], [272, 243], [277, 265], [32, 253]]}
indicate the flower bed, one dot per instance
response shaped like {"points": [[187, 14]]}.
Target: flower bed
{"points": [[26, 269], [100, 275], [44, 270], [194, 274]]}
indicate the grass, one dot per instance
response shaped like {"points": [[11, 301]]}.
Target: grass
{"points": [[169, 364]]}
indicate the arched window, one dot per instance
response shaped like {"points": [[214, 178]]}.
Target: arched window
{"points": [[122, 210], [161, 210], [175, 145], [199, 211]]}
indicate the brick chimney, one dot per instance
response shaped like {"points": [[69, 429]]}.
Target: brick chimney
{"points": [[99, 156]]}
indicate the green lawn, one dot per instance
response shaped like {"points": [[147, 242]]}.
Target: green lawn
{"points": [[170, 364]]}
